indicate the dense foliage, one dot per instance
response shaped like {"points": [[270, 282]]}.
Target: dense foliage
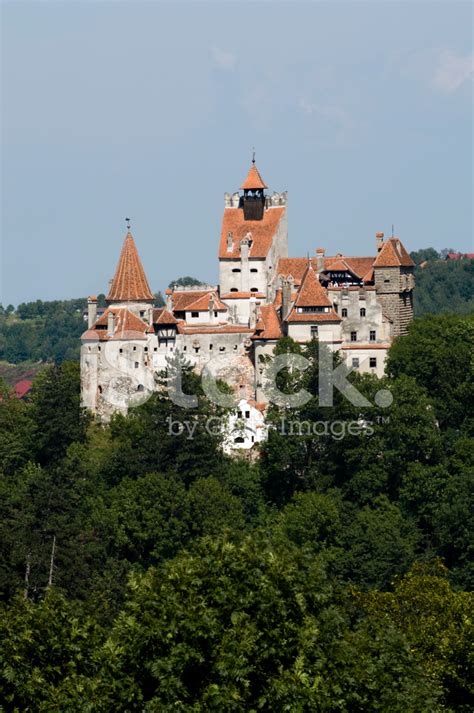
{"points": [[442, 286], [146, 571]]}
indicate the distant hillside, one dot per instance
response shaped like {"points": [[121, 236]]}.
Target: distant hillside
{"points": [[443, 286]]}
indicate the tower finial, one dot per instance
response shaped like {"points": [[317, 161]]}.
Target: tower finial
{"points": [[253, 154], [393, 230], [127, 220]]}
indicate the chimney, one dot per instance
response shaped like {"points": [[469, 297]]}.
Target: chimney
{"points": [[150, 316], [91, 311], [169, 299], [253, 313], [320, 252], [211, 308], [110, 323], [379, 241], [230, 241], [287, 288]]}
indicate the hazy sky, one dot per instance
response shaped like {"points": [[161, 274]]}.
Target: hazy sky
{"points": [[361, 110]]}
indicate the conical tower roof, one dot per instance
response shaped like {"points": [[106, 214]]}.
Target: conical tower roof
{"points": [[129, 283], [253, 180]]}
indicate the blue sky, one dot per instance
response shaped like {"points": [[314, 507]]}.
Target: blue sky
{"points": [[361, 110]]}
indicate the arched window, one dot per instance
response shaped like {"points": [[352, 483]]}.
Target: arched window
{"points": [[239, 439], [140, 387], [254, 289]]}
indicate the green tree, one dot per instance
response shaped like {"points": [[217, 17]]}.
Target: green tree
{"points": [[437, 352], [58, 417]]}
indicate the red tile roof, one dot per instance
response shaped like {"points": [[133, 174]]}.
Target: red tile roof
{"points": [[311, 293], [311, 317], [253, 180], [262, 231], [183, 328], [129, 283], [202, 304], [393, 254], [296, 266], [268, 326], [185, 300], [126, 326], [163, 316], [22, 388]]}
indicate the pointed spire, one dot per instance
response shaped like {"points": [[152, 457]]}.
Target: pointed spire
{"points": [[311, 293], [129, 283], [254, 180]]}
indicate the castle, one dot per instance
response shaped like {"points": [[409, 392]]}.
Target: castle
{"points": [[353, 304]]}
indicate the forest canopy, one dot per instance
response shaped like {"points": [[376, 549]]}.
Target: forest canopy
{"points": [[146, 571]]}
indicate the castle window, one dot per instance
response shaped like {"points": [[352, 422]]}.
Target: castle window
{"points": [[314, 331], [235, 347], [194, 315], [336, 308], [239, 439], [210, 347], [236, 269], [120, 350], [386, 280], [136, 365], [247, 414], [353, 336], [233, 289], [155, 349], [253, 269], [355, 363], [254, 289], [373, 362], [184, 348], [98, 349], [134, 349], [372, 335], [215, 314], [145, 349], [142, 313], [344, 312], [99, 389], [362, 311], [196, 350], [140, 387], [222, 349]]}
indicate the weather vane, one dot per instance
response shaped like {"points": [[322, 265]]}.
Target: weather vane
{"points": [[253, 154], [127, 220]]}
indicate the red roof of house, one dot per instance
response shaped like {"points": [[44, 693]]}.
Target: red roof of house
{"points": [[311, 317], [262, 231], [311, 293], [360, 266], [393, 254], [129, 283], [253, 180], [268, 325], [126, 326], [163, 316], [459, 256], [22, 388]]}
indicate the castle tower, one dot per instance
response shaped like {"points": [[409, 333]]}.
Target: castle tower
{"points": [[394, 282], [129, 287], [254, 237], [253, 200]]}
